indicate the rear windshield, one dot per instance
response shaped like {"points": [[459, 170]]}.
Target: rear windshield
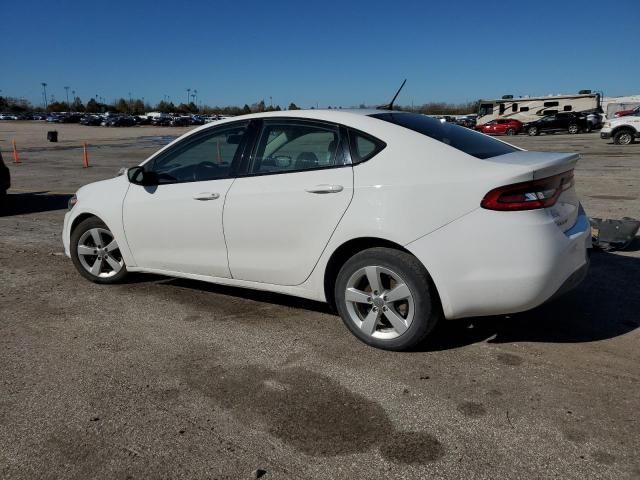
{"points": [[461, 138]]}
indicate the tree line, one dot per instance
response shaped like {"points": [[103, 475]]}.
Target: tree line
{"points": [[138, 106]]}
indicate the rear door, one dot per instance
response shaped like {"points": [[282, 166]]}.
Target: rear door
{"points": [[279, 217]]}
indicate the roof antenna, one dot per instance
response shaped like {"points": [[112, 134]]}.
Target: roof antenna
{"points": [[390, 105]]}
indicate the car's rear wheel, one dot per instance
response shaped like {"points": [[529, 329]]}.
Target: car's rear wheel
{"points": [[95, 252], [387, 299], [511, 131], [533, 131], [623, 137], [573, 129]]}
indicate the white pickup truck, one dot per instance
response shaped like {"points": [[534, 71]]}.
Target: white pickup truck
{"points": [[623, 130]]}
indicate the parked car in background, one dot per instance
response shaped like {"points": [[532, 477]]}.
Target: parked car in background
{"points": [[91, 120], [5, 181], [624, 130], [161, 121], [180, 122], [8, 116], [53, 118], [594, 119], [501, 126], [570, 122], [365, 209], [624, 113], [70, 118]]}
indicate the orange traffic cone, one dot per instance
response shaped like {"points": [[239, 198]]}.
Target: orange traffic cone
{"points": [[16, 157], [85, 156]]}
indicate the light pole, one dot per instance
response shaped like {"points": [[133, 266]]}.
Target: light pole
{"points": [[188, 94], [44, 94], [66, 89], [195, 96]]}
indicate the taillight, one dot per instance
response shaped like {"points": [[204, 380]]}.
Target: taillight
{"points": [[531, 195]]}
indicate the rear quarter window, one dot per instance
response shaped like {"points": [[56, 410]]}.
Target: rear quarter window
{"points": [[460, 138]]}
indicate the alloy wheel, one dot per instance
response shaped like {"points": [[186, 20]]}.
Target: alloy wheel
{"points": [[379, 302], [99, 253], [624, 138]]}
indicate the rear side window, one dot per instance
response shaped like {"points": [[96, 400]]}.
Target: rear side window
{"points": [[363, 146], [288, 146], [460, 138]]}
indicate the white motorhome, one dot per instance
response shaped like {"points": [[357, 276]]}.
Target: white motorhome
{"points": [[529, 109]]}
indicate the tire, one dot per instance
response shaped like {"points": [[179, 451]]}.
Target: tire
{"points": [[533, 131], [573, 129], [399, 323], [624, 137], [95, 252], [511, 132]]}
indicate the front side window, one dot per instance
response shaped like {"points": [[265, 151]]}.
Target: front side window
{"points": [[286, 146], [208, 156], [460, 138]]}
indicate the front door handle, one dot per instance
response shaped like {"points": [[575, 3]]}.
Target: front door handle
{"points": [[325, 189], [206, 196]]}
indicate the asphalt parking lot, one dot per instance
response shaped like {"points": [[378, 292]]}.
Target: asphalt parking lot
{"points": [[166, 378]]}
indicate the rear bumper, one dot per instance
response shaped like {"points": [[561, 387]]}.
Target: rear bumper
{"points": [[495, 263], [605, 135]]}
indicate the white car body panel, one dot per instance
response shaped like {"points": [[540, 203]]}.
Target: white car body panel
{"points": [[175, 228], [276, 230], [418, 193]]}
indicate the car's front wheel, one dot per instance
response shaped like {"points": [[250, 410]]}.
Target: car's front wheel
{"points": [[95, 252], [573, 129], [533, 131], [511, 131], [387, 299], [623, 137]]}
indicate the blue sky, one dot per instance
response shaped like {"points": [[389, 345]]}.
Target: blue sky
{"points": [[326, 53]]}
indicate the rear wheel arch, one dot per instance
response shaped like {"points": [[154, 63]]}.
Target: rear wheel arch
{"points": [[347, 250]]}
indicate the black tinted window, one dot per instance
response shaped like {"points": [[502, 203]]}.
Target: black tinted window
{"points": [[293, 146], [460, 138], [363, 146], [207, 156]]}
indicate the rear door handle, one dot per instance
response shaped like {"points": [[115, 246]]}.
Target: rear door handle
{"points": [[325, 189], [206, 196]]}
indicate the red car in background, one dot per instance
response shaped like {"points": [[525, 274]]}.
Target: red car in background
{"points": [[501, 126], [625, 113]]}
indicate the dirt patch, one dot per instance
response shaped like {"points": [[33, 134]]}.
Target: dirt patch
{"points": [[510, 359], [311, 412], [472, 409]]}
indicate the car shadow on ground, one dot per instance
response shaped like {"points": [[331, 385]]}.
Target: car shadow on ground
{"points": [[255, 295], [606, 305], [33, 202]]}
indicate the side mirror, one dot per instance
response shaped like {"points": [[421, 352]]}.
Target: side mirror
{"points": [[138, 176]]}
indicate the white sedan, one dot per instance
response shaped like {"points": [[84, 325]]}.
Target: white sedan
{"points": [[396, 219]]}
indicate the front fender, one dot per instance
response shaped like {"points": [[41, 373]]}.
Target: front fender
{"points": [[104, 200]]}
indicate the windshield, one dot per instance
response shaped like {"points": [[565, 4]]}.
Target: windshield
{"points": [[460, 138]]}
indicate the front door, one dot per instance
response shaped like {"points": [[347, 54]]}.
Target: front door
{"points": [[176, 226], [280, 216]]}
